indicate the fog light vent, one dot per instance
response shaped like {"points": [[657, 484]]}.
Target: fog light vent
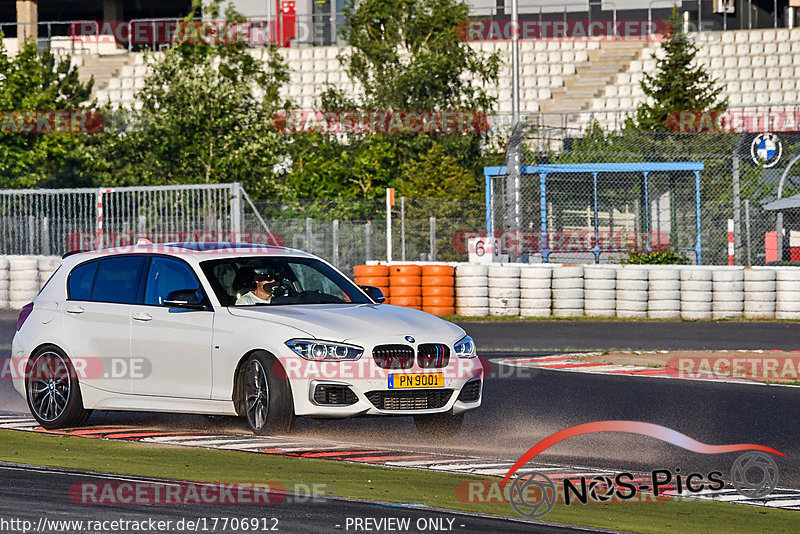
{"points": [[334, 394]]}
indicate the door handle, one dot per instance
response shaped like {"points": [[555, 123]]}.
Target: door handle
{"points": [[142, 317], [74, 309]]}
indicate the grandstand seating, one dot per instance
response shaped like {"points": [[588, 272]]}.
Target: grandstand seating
{"points": [[587, 80]]}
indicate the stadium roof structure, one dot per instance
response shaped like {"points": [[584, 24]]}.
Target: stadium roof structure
{"points": [[783, 204]]}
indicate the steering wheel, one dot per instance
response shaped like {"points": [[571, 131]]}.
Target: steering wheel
{"points": [[283, 288]]}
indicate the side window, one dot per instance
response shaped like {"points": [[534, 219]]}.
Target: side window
{"points": [[167, 275], [118, 279], [80, 282]]}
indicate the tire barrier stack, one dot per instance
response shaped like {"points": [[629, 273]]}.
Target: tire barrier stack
{"points": [[632, 285], [373, 275], [728, 294], [4, 282], [534, 291], [567, 292], [787, 294], [599, 291], [664, 293], [23, 280], [472, 290], [405, 286], [696, 293], [438, 289], [759, 293], [504, 292], [627, 291]]}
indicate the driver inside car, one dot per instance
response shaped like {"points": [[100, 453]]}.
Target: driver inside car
{"points": [[265, 280]]}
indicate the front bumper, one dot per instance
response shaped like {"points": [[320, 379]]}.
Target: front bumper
{"points": [[362, 388]]}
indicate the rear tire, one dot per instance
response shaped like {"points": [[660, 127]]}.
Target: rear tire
{"points": [[267, 398], [439, 425], [52, 390]]}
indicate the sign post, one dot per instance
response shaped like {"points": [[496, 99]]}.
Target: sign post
{"points": [[389, 204]]}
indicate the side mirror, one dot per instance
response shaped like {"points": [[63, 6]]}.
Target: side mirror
{"points": [[185, 299], [374, 293]]}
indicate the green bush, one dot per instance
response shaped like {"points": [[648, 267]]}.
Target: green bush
{"points": [[657, 257], [784, 263]]}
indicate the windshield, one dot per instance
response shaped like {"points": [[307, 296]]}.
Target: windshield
{"points": [[271, 281]]}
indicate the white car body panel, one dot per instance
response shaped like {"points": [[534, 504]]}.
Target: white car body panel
{"points": [[195, 354]]}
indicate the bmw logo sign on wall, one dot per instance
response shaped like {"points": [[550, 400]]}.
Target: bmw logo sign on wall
{"points": [[410, 339], [766, 150]]}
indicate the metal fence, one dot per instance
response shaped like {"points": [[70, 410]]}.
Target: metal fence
{"points": [[346, 233], [349, 233], [609, 203], [54, 221]]}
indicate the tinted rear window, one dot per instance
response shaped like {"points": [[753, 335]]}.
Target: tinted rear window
{"points": [[117, 280], [80, 281]]}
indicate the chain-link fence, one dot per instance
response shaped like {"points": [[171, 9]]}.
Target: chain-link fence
{"points": [[349, 233], [346, 233], [55, 221], [586, 197]]}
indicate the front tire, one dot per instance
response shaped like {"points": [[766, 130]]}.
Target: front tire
{"points": [[439, 425], [52, 390], [267, 398]]}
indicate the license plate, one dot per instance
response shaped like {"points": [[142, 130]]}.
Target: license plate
{"points": [[416, 380]]}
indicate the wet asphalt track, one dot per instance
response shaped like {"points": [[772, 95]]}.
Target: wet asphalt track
{"points": [[518, 411]]}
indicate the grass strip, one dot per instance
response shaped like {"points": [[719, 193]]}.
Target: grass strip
{"points": [[371, 482]]}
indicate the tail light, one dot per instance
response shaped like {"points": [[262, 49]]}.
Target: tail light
{"points": [[23, 314]]}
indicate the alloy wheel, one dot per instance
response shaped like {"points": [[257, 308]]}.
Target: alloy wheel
{"points": [[256, 395], [49, 386]]}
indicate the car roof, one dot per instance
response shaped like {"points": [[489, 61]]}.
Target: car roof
{"points": [[198, 250]]}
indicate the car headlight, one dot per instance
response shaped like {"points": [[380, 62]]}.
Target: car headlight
{"points": [[324, 350], [465, 348]]}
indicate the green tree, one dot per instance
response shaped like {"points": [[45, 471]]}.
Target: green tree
{"points": [[37, 82], [406, 55], [436, 175], [679, 84], [437, 186], [206, 116], [330, 180]]}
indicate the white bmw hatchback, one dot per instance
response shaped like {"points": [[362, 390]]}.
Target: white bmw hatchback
{"points": [[264, 333]]}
